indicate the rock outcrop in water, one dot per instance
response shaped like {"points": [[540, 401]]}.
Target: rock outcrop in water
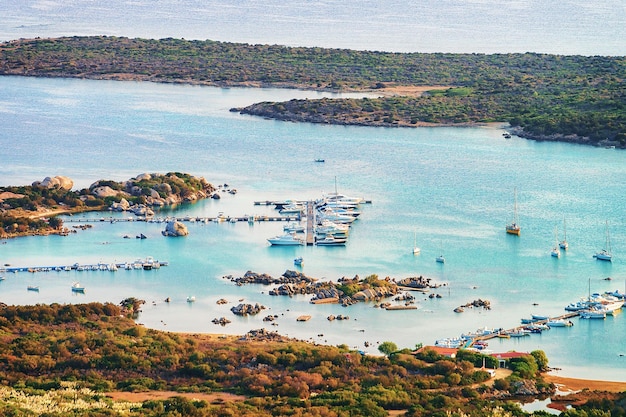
{"points": [[175, 229]]}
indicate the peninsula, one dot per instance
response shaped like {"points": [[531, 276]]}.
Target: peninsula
{"points": [[576, 99]]}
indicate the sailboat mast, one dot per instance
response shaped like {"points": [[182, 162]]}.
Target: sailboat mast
{"points": [[515, 206], [608, 238]]}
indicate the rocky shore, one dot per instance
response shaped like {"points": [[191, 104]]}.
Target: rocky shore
{"points": [[574, 139], [24, 212]]}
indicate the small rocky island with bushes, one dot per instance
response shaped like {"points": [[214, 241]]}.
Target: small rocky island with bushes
{"points": [[33, 209]]}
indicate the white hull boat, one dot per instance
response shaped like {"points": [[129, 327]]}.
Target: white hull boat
{"points": [[286, 240]]}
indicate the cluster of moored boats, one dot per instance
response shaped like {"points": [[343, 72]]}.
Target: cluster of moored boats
{"points": [[598, 306], [595, 306], [331, 216]]}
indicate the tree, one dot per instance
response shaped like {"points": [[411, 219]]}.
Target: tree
{"points": [[55, 222], [387, 348], [541, 359]]}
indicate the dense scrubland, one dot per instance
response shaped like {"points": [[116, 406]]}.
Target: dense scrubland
{"points": [[83, 351], [547, 97]]}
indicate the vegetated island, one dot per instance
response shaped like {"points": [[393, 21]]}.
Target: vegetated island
{"points": [[81, 359], [34, 209], [576, 99]]}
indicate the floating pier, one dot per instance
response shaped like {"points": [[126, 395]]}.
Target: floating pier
{"points": [[146, 264], [216, 219]]}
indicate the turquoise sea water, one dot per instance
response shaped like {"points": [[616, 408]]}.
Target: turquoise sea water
{"points": [[453, 187]]}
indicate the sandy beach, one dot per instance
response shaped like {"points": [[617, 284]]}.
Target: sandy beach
{"points": [[572, 384]]}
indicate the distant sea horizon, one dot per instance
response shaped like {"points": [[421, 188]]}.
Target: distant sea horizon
{"points": [[568, 27]]}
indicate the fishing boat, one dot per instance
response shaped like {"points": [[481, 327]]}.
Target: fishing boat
{"points": [[191, 299], [416, 250], [298, 261], [513, 228], [605, 254], [563, 244], [32, 288], [556, 251], [76, 287]]}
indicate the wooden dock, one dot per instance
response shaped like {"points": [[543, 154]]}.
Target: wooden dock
{"points": [[520, 328], [310, 223], [217, 219]]}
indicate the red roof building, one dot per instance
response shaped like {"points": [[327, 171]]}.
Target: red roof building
{"points": [[443, 351]]}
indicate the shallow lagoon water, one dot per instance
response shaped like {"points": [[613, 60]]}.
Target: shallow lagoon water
{"points": [[453, 187]]}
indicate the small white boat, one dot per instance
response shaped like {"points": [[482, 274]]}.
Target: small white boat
{"points": [[76, 287], [293, 228], [519, 333], [298, 261], [293, 208], [330, 240], [592, 314], [537, 317], [191, 299], [559, 323], [286, 240]]}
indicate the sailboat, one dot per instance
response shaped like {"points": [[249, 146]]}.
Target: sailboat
{"points": [[605, 254], [440, 258], [556, 252], [416, 250], [564, 245], [514, 228]]}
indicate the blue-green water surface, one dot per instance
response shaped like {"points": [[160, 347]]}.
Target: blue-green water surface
{"points": [[452, 187]]}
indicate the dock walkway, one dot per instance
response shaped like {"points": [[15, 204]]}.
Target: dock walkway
{"points": [[310, 223], [145, 264], [520, 328], [216, 219]]}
